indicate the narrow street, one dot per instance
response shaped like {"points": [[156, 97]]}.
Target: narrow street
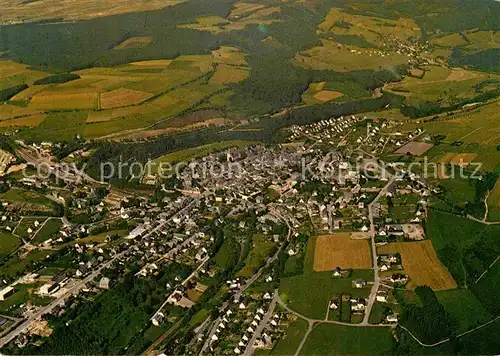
{"points": [[249, 349], [376, 280]]}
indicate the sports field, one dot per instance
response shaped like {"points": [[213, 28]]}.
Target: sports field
{"points": [[339, 250], [421, 264]]}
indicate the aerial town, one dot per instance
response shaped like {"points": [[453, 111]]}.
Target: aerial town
{"points": [[217, 241]]}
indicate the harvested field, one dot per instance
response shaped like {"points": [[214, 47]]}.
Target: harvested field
{"points": [[28, 121], [327, 95], [64, 100], [463, 159], [243, 8], [447, 157], [320, 86], [458, 74], [13, 73], [153, 63], [134, 42], [122, 97], [8, 111], [414, 148], [422, 265], [340, 250], [417, 72]]}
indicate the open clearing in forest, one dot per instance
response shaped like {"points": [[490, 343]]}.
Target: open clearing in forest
{"points": [[134, 42]]}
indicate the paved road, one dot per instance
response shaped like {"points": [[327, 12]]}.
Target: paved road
{"points": [[313, 322], [376, 282], [448, 339], [247, 284], [249, 349], [76, 288], [47, 309]]}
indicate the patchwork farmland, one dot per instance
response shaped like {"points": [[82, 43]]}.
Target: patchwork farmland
{"points": [[138, 94]]}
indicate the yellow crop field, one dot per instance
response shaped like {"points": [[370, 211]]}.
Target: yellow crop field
{"points": [[327, 95], [447, 157], [243, 8], [268, 11], [339, 250], [28, 121], [13, 73], [153, 63], [8, 111], [229, 74], [331, 18], [320, 86], [134, 42], [463, 159], [122, 97], [65, 100], [421, 264]]}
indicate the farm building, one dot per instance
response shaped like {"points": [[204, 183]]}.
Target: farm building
{"points": [[6, 292]]}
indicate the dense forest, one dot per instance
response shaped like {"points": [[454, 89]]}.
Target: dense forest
{"points": [[57, 78], [429, 322], [7, 93]]}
